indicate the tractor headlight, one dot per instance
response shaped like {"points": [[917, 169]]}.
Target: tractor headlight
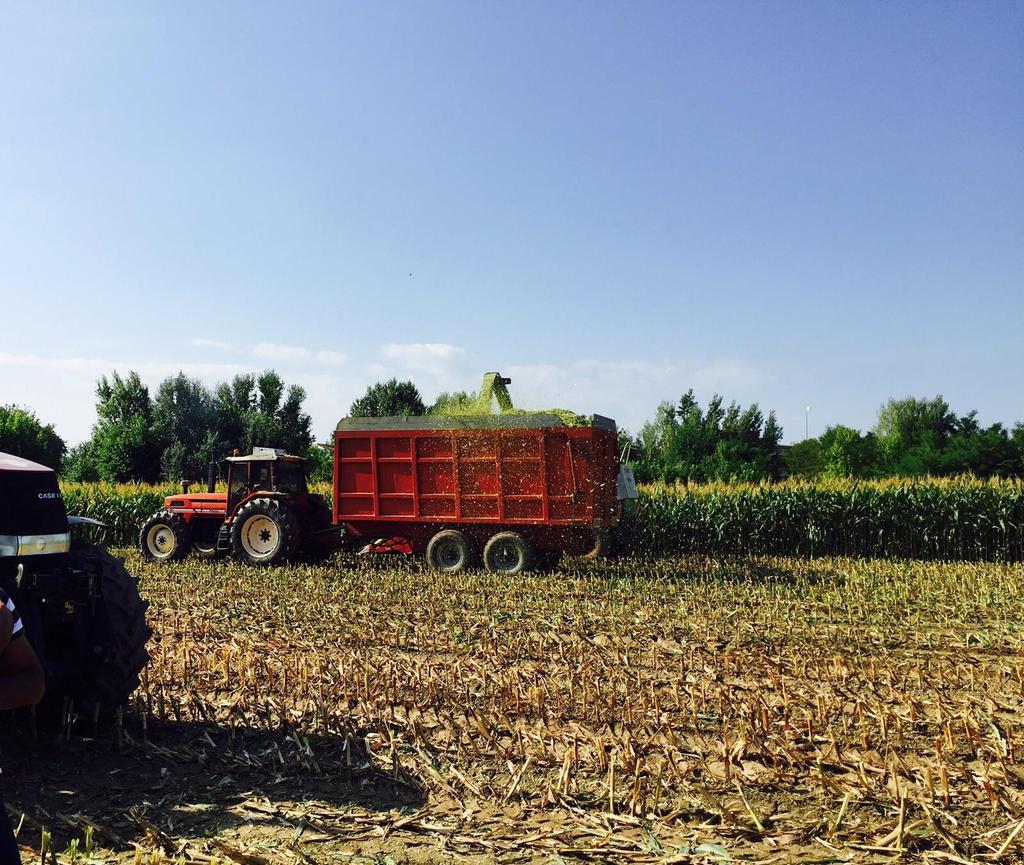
{"points": [[34, 545]]}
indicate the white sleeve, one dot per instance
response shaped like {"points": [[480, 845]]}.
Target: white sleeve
{"points": [[15, 616]]}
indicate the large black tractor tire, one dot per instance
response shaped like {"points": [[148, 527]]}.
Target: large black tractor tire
{"points": [[318, 544], [165, 537], [508, 553], [265, 532], [120, 631], [94, 657], [450, 551]]}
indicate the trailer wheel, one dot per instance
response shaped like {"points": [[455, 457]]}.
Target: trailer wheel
{"points": [[165, 537], [449, 551], [508, 553], [265, 532]]}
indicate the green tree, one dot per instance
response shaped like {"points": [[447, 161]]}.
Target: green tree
{"points": [[912, 433], [22, 434], [125, 445], [771, 442], [803, 459], [261, 411], [847, 453], [321, 463], [183, 419], [389, 399], [1017, 441], [656, 442], [719, 443], [233, 402], [80, 464], [295, 428], [982, 451]]}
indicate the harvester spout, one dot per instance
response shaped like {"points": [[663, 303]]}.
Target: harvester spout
{"points": [[494, 387]]}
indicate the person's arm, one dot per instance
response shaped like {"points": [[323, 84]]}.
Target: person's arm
{"points": [[6, 626], [22, 681]]}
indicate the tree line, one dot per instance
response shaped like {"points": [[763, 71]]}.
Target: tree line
{"points": [[177, 431], [913, 437], [169, 435]]}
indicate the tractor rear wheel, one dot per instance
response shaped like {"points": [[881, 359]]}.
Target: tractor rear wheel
{"points": [[508, 553], [94, 653], [450, 551], [265, 532], [165, 537]]}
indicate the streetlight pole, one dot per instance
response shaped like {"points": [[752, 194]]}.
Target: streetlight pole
{"points": [[807, 422]]}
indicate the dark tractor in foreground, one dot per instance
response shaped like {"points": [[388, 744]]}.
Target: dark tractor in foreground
{"points": [[80, 608], [266, 516]]}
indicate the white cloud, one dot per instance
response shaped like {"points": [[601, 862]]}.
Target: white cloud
{"points": [[202, 342], [726, 375], [332, 358], [436, 359], [284, 353], [101, 366], [274, 351], [421, 352], [56, 364], [625, 367]]}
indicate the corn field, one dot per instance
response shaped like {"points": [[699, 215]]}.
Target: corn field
{"points": [[958, 519], [644, 711], [954, 519]]}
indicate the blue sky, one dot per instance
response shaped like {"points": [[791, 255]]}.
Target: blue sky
{"points": [[793, 203]]}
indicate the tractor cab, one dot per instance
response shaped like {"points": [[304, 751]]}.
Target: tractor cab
{"points": [[265, 470]]}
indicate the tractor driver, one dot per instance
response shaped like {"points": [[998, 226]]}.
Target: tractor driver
{"points": [[21, 684]]}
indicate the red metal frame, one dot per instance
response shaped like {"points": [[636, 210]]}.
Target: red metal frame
{"points": [[556, 484]]}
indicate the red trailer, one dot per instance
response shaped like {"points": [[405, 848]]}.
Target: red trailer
{"points": [[504, 489]]}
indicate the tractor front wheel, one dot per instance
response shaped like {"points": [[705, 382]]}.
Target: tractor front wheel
{"points": [[165, 537], [265, 532]]}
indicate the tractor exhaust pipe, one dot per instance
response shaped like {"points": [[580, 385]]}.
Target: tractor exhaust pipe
{"points": [[211, 478]]}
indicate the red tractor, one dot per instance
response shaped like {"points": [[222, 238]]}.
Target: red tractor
{"points": [[266, 516]]}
